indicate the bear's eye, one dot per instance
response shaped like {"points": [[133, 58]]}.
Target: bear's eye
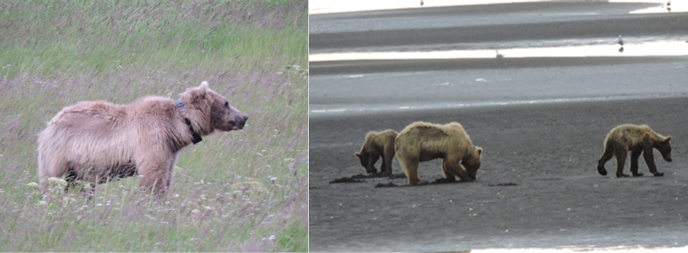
{"points": [[226, 104]]}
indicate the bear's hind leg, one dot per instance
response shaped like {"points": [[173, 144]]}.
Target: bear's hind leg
{"points": [[650, 161], [634, 162], [620, 160], [388, 157], [605, 157]]}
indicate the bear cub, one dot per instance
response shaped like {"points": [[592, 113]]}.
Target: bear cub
{"points": [[376, 145], [637, 139]]}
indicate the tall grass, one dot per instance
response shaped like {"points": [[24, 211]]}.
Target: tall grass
{"points": [[238, 191]]}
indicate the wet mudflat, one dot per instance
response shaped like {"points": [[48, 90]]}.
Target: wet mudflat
{"points": [[541, 122]]}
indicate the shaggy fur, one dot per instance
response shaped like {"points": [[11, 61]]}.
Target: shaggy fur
{"points": [[637, 139], [421, 141], [378, 144], [99, 141]]}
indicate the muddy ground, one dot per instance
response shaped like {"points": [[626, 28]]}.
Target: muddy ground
{"points": [[537, 187]]}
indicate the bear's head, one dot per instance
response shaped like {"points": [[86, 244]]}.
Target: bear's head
{"points": [[472, 162], [664, 148], [364, 158], [207, 111]]}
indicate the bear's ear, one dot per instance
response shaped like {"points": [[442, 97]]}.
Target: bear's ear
{"points": [[202, 88], [667, 139], [357, 154], [480, 150]]}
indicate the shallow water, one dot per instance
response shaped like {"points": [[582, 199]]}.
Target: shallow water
{"points": [[594, 48], [341, 109]]}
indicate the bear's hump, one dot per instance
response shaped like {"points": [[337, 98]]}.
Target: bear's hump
{"points": [[98, 109], [155, 105]]}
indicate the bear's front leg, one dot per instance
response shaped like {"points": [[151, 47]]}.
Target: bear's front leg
{"points": [[634, 162], [154, 182], [154, 176], [454, 168], [371, 163], [448, 175], [650, 161], [170, 171], [410, 167], [620, 160]]}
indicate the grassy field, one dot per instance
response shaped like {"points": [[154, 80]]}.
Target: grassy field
{"points": [[239, 191]]}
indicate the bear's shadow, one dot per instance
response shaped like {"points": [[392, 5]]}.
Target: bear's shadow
{"points": [[434, 182], [359, 178]]}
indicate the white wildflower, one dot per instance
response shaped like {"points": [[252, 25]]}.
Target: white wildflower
{"points": [[69, 200], [57, 181]]}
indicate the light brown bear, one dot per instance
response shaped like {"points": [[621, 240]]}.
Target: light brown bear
{"points": [[376, 145], [421, 141], [98, 141], [637, 139]]}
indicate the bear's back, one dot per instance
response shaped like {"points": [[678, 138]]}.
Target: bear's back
{"points": [[89, 112], [630, 135], [380, 139], [428, 132], [387, 134]]}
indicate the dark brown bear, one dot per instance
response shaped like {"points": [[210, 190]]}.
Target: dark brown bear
{"points": [[637, 139]]}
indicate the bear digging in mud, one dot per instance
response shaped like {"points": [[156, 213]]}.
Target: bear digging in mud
{"points": [[637, 139], [378, 144], [421, 141], [99, 141]]}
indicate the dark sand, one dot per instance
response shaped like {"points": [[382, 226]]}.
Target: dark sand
{"points": [[537, 187]]}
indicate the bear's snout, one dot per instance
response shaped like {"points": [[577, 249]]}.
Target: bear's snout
{"points": [[239, 122], [667, 157]]}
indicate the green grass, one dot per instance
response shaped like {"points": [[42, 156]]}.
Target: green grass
{"points": [[239, 191]]}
